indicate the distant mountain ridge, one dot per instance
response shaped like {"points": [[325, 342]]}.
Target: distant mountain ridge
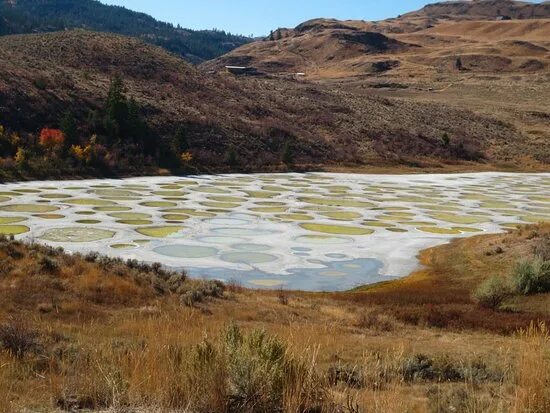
{"points": [[434, 36], [483, 9], [32, 16]]}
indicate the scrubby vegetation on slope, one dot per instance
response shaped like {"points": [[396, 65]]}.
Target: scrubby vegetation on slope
{"points": [[233, 124], [87, 332], [32, 16]]}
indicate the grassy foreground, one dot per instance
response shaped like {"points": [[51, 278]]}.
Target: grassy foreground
{"points": [[91, 333]]}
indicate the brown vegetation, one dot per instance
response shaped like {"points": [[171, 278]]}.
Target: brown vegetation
{"points": [[94, 333], [254, 119], [466, 59]]}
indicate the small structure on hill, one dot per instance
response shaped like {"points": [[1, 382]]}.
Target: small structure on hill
{"points": [[242, 70]]}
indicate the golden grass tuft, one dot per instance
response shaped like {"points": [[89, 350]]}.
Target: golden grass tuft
{"points": [[533, 370]]}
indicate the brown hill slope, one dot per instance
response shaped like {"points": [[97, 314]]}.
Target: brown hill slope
{"points": [[43, 75], [495, 67], [338, 49], [483, 9], [315, 47]]}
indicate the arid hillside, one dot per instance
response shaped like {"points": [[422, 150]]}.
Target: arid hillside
{"points": [[459, 54], [45, 74], [482, 9], [326, 48]]}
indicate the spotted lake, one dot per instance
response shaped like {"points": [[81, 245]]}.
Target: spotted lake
{"points": [[297, 231]]}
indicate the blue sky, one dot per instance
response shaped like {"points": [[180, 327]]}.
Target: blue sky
{"points": [[258, 17]]}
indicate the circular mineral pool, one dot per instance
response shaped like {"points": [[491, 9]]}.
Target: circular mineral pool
{"points": [[397, 230], [29, 208], [438, 230], [89, 202], [186, 251], [175, 217], [189, 211], [11, 220], [159, 204], [336, 256], [55, 196], [322, 239], [113, 208], [123, 246], [301, 249], [248, 257], [459, 219], [267, 210], [224, 205], [85, 213], [332, 273], [126, 216], [342, 215], [114, 192], [232, 199], [135, 222], [220, 239], [295, 217], [228, 221], [76, 234], [13, 229], [251, 247], [159, 232], [336, 202], [242, 232], [49, 216], [337, 229]]}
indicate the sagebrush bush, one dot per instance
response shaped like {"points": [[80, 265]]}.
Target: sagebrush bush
{"points": [[18, 339], [253, 372], [532, 277], [256, 366], [492, 292], [541, 248]]}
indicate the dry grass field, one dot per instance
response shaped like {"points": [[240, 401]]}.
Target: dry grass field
{"points": [[97, 334]]}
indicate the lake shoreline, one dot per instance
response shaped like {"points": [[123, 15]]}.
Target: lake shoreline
{"points": [[313, 231], [389, 169]]}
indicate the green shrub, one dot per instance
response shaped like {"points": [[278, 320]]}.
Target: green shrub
{"points": [[492, 292], [256, 364], [532, 277]]}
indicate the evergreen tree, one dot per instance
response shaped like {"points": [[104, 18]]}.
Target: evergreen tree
{"points": [[116, 109], [288, 154], [69, 129], [180, 140], [135, 128], [279, 34], [231, 157], [458, 63], [271, 37]]}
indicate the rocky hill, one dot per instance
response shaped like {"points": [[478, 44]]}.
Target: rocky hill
{"points": [[32, 16], [484, 9], [488, 56], [434, 37]]}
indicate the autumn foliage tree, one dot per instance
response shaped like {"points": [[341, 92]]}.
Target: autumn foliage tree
{"points": [[51, 138]]}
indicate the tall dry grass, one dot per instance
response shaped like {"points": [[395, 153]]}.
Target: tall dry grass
{"points": [[532, 392], [171, 368]]}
